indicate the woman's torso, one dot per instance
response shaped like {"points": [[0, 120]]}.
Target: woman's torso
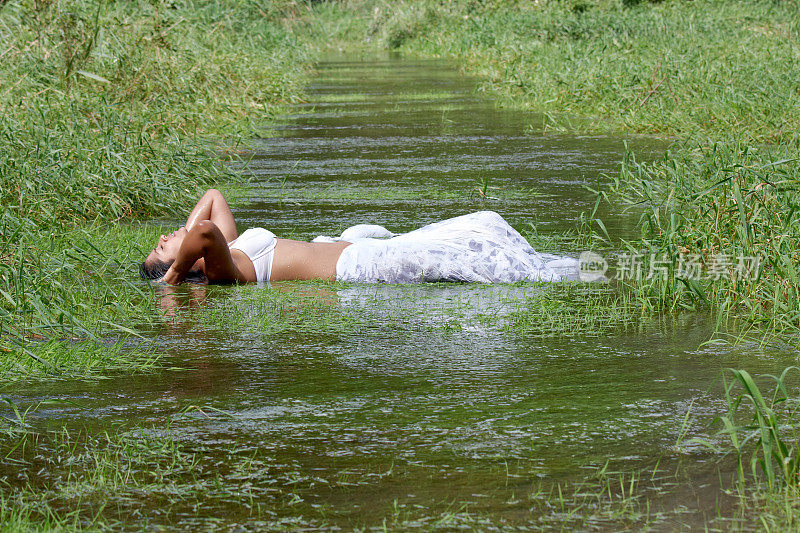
{"points": [[306, 260], [295, 260]]}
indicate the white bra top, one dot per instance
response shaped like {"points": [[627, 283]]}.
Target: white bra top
{"points": [[259, 245]]}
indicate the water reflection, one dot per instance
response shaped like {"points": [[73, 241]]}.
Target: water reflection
{"points": [[173, 301]]}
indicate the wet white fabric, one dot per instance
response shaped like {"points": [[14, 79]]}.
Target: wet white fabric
{"points": [[359, 231], [478, 247], [259, 245]]}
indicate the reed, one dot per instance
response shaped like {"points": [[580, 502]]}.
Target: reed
{"points": [[763, 427], [732, 208], [760, 428]]}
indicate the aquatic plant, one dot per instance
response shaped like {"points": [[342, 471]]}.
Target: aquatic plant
{"points": [[481, 191], [770, 436], [733, 209]]}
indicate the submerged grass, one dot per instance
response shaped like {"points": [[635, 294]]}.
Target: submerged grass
{"points": [[320, 308], [467, 193], [770, 435], [95, 480], [160, 476], [576, 309], [760, 428]]}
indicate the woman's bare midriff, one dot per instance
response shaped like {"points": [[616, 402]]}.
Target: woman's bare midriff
{"points": [[306, 260]]}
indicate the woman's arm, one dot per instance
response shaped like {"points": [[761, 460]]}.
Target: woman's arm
{"points": [[204, 242], [213, 206]]}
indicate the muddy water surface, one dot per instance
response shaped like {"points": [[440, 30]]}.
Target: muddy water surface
{"points": [[420, 408]]}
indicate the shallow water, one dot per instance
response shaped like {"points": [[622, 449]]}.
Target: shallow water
{"points": [[412, 406], [403, 143]]}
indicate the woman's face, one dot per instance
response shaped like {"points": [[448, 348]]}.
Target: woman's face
{"points": [[168, 246]]}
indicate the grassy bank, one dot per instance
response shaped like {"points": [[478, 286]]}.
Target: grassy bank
{"points": [[674, 68], [113, 112]]}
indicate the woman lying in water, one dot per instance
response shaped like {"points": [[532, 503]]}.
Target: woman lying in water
{"points": [[478, 247]]}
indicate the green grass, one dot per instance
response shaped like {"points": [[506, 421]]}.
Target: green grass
{"points": [[676, 68], [727, 200], [763, 427], [75, 308], [74, 358], [321, 308], [760, 429], [476, 191], [95, 476], [112, 112], [577, 309]]}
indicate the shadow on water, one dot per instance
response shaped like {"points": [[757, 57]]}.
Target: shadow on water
{"points": [[325, 404]]}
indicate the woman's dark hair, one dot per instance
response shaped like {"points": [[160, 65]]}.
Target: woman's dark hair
{"points": [[156, 269]]}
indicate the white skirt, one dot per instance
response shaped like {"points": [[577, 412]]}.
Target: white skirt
{"points": [[478, 247]]}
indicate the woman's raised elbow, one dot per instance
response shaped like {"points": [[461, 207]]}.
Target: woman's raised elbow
{"points": [[213, 193], [205, 229]]}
